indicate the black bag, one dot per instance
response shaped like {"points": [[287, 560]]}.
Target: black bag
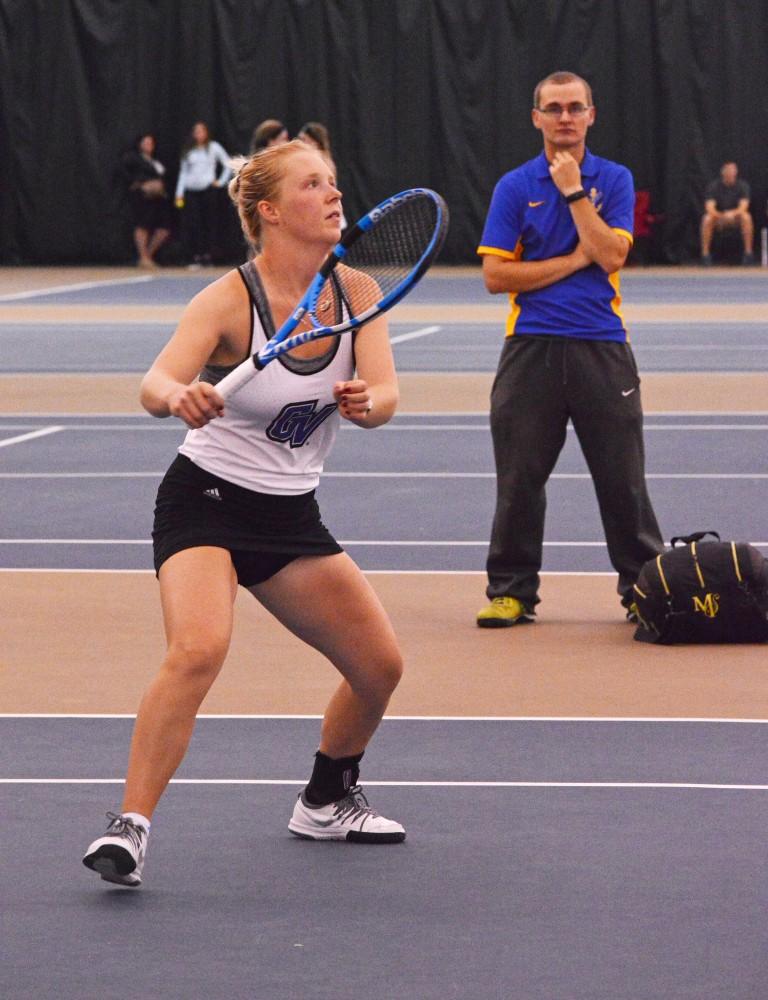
{"points": [[703, 592]]}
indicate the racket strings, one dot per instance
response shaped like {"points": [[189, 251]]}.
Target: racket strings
{"points": [[327, 307], [387, 254]]}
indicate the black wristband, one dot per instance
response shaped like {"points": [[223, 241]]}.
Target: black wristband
{"points": [[576, 196]]}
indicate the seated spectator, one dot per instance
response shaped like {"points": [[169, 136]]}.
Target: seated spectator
{"points": [[727, 207], [149, 205], [270, 132]]}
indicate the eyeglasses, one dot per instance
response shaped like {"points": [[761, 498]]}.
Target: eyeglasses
{"points": [[557, 110]]}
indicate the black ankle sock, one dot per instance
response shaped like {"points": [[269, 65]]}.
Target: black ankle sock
{"points": [[331, 779]]}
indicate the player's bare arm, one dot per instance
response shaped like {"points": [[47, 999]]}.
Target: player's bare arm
{"points": [[370, 399], [205, 334]]}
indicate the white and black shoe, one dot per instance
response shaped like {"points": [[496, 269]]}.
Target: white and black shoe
{"points": [[118, 856], [351, 818]]}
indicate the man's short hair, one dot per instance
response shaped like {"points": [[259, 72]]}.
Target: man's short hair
{"points": [[561, 76]]}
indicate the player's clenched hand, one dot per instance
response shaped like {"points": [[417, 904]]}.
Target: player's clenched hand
{"points": [[353, 398], [565, 173], [196, 404]]}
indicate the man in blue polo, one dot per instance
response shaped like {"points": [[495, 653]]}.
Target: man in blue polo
{"points": [[558, 231]]}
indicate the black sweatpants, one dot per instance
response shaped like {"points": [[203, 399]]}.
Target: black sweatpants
{"points": [[199, 222], [541, 384]]}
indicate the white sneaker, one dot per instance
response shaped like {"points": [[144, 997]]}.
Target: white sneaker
{"points": [[351, 818], [118, 856]]}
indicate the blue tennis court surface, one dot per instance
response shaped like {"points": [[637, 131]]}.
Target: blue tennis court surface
{"points": [[443, 287], [406, 751], [454, 347], [77, 344], [551, 883], [546, 859], [416, 495]]}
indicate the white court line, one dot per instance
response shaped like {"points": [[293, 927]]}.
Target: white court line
{"points": [[80, 286], [383, 475], [250, 717], [494, 348], [484, 413], [366, 572], [395, 426], [145, 417], [58, 569], [424, 332], [730, 348], [43, 432], [492, 475], [726, 374], [145, 423], [75, 541], [651, 785], [342, 541]]}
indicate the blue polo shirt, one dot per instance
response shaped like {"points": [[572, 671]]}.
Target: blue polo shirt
{"points": [[529, 220]]}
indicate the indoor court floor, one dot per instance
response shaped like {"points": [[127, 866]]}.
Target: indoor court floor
{"points": [[586, 815]]}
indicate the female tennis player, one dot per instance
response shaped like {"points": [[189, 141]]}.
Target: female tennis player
{"points": [[237, 507]]}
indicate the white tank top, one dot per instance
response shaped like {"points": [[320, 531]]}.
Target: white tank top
{"points": [[277, 430]]}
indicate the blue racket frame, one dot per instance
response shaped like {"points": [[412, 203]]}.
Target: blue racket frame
{"points": [[282, 341]]}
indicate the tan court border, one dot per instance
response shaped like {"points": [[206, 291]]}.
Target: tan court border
{"points": [[90, 642], [492, 314], [458, 392], [24, 279]]}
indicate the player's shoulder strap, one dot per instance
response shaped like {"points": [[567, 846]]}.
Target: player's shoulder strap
{"points": [[252, 281]]}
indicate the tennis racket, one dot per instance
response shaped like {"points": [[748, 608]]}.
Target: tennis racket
{"points": [[378, 261]]}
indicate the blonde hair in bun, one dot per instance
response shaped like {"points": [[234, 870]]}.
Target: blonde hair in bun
{"points": [[257, 178]]}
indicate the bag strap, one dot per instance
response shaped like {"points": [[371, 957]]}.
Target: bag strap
{"points": [[695, 537]]}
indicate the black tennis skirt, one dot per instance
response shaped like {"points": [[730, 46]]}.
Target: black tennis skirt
{"points": [[262, 531]]}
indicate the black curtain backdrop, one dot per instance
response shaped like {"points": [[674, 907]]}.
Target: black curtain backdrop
{"points": [[415, 92]]}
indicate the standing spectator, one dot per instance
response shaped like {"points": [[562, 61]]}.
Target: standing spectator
{"points": [[727, 207], [270, 132], [204, 169], [150, 209], [557, 233]]}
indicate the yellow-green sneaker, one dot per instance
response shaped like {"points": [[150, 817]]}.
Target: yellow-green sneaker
{"points": [[503, 612]]}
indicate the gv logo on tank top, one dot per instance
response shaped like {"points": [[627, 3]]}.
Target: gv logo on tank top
{"points": [[296, 422]]}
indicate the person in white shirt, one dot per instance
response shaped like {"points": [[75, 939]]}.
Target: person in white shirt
{"points": [[204, 168], [237, 507]]}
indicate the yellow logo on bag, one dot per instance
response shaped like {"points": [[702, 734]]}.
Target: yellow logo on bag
{"points": [[709, 606]]}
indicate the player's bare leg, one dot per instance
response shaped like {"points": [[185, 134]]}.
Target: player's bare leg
{"points": [[198, 634], [328, 603]]}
